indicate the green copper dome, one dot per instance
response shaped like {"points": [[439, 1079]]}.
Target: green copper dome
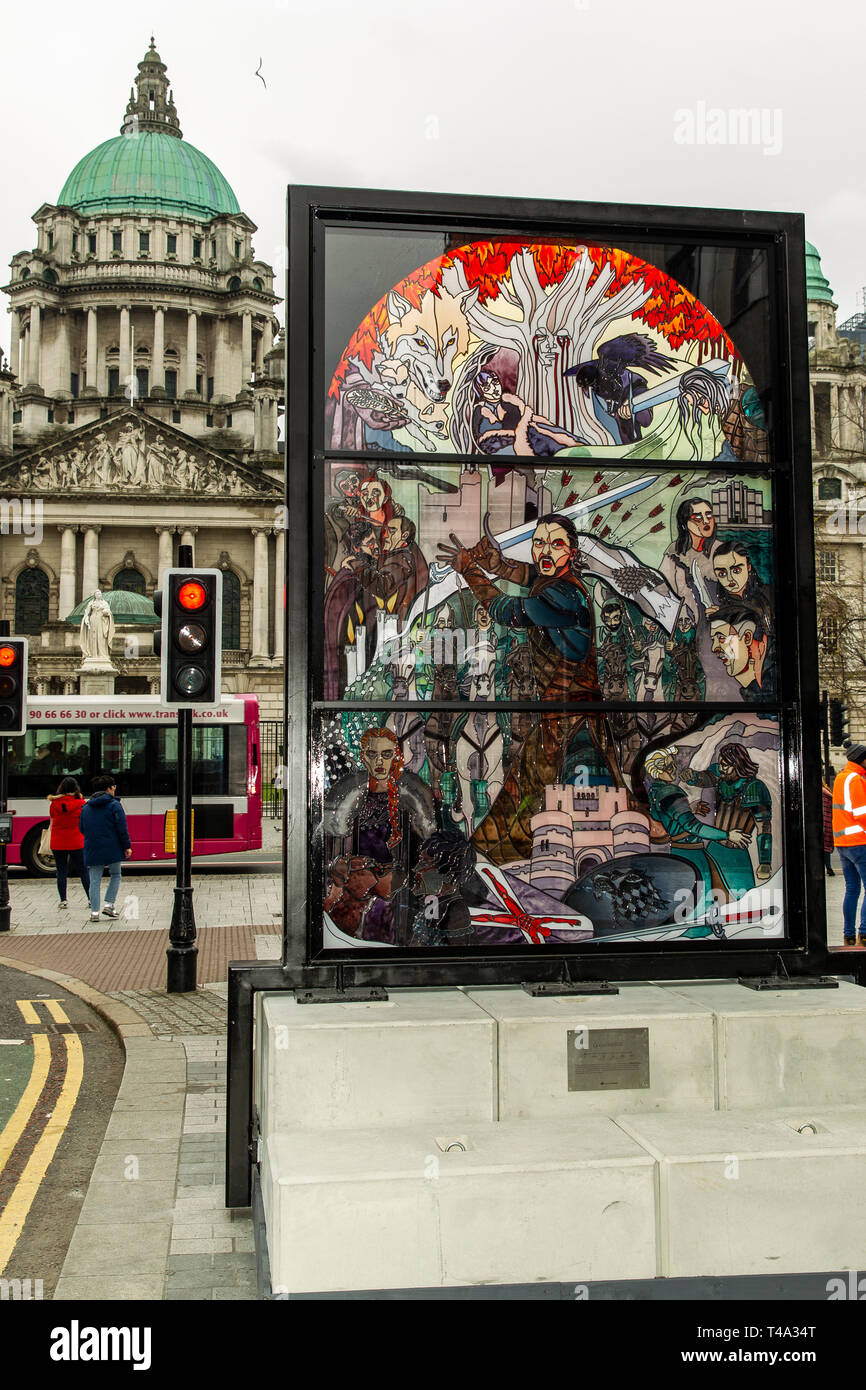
{"points": [[148, 171], [817, 284]]}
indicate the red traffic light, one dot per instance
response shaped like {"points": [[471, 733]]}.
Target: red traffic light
{"points": [[7, 656], [192, 594]]}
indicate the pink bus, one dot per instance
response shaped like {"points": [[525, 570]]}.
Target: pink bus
{"points": [[135, 738]]}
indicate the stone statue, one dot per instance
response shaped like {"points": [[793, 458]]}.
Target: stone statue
{"points": [[97, 630], [133, 457]]}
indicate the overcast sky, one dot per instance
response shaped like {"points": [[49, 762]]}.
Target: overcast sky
{"points": [[574, 99]]}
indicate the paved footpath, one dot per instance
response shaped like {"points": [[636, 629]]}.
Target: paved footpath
{"points": [[129, 952], [153, 1224]]}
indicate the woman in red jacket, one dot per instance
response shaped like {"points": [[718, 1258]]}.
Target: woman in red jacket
{"points": [[67, 841]]}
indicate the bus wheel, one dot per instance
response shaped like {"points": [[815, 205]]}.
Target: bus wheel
{"points": [[40, 864]]}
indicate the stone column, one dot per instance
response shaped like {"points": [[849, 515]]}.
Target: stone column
{"points": [[812, 414], [260, 354], [15, 344], [66, 597], [90, 580], [268, 337], [125, 348], [63, 356], [90, 369], [187, 537], [166, 552], [260, 593], [191, 352], [34, 354], [157, 376], [246, 350], [221, 383], [835, 433], [279, 593]]}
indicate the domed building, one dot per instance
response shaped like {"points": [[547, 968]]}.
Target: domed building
{"points": [[143, 361]]}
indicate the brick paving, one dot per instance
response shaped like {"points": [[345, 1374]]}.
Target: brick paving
{"points": [[120, 960]]}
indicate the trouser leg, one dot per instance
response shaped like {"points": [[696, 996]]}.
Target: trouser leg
{"points": [[60, 858], [78, 866], [95, 885], [852, 893], [113, 888]]}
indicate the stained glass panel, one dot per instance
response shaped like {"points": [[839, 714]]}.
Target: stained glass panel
{"points": [[488, 829]]}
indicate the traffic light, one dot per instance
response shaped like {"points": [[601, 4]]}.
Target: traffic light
{"points": [[189, 642], [838, 722], [13, 686]]}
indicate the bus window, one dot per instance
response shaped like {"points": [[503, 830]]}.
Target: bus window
{"points": [[123, 753], [40, 760], [208, 762]]}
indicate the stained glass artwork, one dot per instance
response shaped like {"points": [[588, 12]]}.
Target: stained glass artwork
{"points": [[489, 581], [548, 649], [489, 829], [537, 350]]}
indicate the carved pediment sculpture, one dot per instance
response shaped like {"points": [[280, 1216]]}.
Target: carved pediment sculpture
{"points": [[132, 454]]}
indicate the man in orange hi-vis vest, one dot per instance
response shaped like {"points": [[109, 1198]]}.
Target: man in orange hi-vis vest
{"points": [[849, 837]]}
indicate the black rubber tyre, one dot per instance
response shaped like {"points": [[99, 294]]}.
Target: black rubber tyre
{"points": [[33, 862]]}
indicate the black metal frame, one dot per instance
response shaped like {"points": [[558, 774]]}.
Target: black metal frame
{"points": [[803, 952], [781, 235]]}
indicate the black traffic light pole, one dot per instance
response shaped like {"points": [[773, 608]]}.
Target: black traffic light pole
{"points": [[5, 904], [182, 952]]}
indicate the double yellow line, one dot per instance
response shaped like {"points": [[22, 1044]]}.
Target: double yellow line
{"points": [[17, 1208]]}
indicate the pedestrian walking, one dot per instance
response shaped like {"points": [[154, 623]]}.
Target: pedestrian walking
{"points": [[849, 836], [827, 803], [106, 843], [67, 841]]}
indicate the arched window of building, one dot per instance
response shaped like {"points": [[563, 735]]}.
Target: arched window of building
{"points": [[50, 276], [257, 284], [231, 610], [31, 601], [130, 581], [234, 283], [829, 489]]}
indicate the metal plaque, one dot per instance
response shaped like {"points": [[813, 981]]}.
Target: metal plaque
{"points": [[608, 1059]]}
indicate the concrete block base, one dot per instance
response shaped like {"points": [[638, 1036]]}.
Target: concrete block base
{"points": [[435, 1140], [421, 1055], [397, 1209], [787, 1047], [747, 1193], [536, 1037]]}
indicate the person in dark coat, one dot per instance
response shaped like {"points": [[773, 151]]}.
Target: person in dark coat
{"points": [[106, 843], [67, 841]]}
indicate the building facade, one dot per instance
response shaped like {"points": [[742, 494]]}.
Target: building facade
{"points": [[837, 375], [139, 408]]}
